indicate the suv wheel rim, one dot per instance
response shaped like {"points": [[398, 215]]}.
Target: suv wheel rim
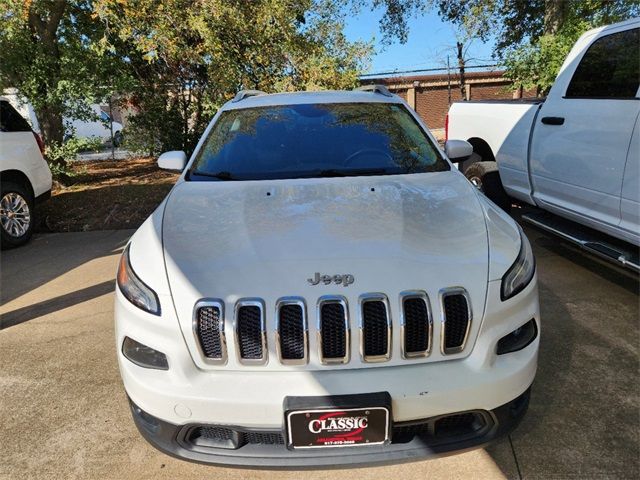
{"points": [[14, 214]]}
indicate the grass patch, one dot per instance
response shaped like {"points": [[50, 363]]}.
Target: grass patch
{"points": [[105, 195]]}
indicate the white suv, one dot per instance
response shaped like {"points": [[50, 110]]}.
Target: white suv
{"points": [[322, 288], [25, 178]]}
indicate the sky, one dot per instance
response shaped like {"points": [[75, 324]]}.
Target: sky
{"points": [[430, 41]]}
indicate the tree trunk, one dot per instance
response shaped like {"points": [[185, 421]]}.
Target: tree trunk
{"points": [[461, 65], [51, 125], [555, 13], [44, 35]]}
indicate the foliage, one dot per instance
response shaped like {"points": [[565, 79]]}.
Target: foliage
{"points": [[85, 144], [535, 63], [534, 66], [172, 62], [532, 36], [187, 57], [48, 52], [61, 154]]}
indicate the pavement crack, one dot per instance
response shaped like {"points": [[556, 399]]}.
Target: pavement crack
{"points": [[515, 457]]}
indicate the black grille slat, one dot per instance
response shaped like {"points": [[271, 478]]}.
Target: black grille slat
{"points": [[333, 331], [375, 328], [456, 314], [416, 325], [249, 331], [291, 332], [209, 332]]}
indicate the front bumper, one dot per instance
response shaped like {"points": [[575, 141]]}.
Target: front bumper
{"points": [[251, 400], [410, 441]]}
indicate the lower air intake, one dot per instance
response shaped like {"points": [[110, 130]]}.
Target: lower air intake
{"points": [[228, 438]]}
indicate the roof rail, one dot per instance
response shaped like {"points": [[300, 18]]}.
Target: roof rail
{"points": [[242, 94], [381, 89]]}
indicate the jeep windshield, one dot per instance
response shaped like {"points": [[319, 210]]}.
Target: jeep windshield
{"points": [[315, 140]]}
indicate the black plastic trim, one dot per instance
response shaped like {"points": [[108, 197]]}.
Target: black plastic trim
{"points": [[502, 350], [169, 438]]}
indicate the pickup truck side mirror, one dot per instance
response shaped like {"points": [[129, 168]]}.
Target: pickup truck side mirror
{"points": [[173, 160], [458, 150]]}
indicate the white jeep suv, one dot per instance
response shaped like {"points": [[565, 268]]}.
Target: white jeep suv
{"points": [[322, 288]]}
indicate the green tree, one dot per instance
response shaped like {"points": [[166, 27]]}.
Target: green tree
{"points": [[48, 52], [532, 36], [187, 57]]}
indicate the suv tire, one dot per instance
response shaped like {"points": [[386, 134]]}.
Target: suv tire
{"points": [[16, 215]]}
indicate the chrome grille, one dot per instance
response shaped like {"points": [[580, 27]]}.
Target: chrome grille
{"points": [[208, 324], [333, 330], [456, 319], [291, 331], [417, 324], [250, 331]]}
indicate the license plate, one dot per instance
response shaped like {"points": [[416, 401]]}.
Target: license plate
{"points": [[346, 427]]}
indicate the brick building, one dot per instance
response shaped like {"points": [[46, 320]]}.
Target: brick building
{"points": [[429, 94]]}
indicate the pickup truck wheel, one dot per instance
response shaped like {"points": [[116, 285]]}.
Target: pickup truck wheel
{"points": [[486, 178], [16, 215]]}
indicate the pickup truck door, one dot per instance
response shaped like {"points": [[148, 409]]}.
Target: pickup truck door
{"points": [[581, 136], [630, 201]]}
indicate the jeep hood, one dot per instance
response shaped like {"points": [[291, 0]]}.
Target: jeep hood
{"points": [[264, 239]]}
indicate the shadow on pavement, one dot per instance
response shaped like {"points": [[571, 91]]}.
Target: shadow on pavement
{"points": [[48, 257], [24, 314]]}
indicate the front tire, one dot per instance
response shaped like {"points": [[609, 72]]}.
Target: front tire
{"points": [[16, 215], [486, 178]]}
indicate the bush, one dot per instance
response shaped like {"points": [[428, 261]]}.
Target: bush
{"points": [[85, 144], [59, 155]]}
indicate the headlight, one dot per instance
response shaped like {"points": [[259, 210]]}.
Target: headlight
{"points": [[134, 289], [521, 272]]}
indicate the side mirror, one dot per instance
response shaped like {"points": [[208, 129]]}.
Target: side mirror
{"points": [[458, 150], [174, 160]]}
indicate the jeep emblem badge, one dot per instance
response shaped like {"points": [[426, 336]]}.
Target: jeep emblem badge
{"points": [[344, 280]]}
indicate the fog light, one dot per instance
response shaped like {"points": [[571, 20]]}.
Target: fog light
{"points": [[144, 356], [519, 338]]}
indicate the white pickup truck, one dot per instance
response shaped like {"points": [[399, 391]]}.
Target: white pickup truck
{"points": [[574, 155]]}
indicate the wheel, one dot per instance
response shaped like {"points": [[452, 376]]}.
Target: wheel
{"points": [[486, 178], [117, 139], [16, 215]]}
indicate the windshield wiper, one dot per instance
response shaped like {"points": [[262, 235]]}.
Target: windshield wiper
{"points": [[219, 175], [334, 172]]}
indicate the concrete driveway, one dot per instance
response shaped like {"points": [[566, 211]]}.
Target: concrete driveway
{"points": [[64, 413]]}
